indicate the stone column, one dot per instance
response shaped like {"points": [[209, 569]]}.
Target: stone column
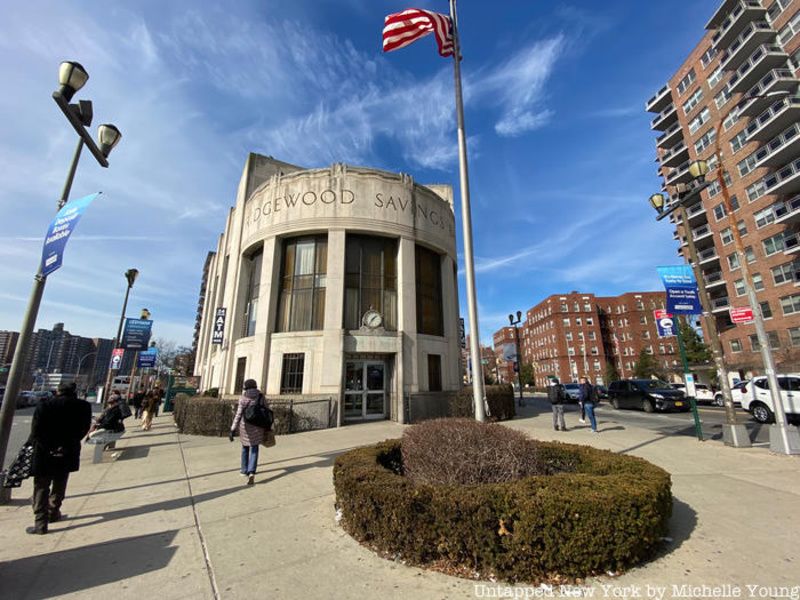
{"points": [[405, 362], [331, 365]]}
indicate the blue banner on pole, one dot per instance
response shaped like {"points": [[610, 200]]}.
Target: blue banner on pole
{"points": [[59, 231], [147, 359], [681, 286], [136, 335]]}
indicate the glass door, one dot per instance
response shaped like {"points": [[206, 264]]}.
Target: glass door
{"points": [[364, 390], [375, 393]]}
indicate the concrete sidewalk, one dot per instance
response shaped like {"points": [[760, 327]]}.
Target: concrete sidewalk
{"points": [[170, 517]]}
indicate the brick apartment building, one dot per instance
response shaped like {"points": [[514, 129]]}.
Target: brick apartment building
{"points": [[750, 48], [505, 368], [574, 335]]}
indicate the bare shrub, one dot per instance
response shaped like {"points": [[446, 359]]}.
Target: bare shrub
{"points": [[466, 452]]}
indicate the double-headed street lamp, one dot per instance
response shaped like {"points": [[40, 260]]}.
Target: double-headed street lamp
{"points": [[518, 363], [130, 277], [71, 78]]}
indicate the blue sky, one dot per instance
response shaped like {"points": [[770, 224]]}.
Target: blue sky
{"points": [[561, 154]]}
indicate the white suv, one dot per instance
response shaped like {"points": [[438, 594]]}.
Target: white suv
{"points": [[702, 393], [757, 401]]}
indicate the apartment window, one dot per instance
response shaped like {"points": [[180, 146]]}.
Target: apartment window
{"points": [[292, 373], [742, 227], [252, 267], [730, 120], [715, 77], [726, 235], [738, 141], [693, 101], [241, 368], [687, 80], [564, 308], [733, 259], [434, 373], [587, 308], [705, 141], [722, 98], [708, 56], [738, 285], [790, 29], [595, 352], [794, 336], [590, 320], [302, 295], [766, 311], [592, 335], [754, 345], [578, 321], [749, 255], [661, 349], [568, 336], [646, 335], [596, 365], [773, 244], [719, 211], [370, 280], [699, 120], [430, 319], [734, 199], [758, 282], [571, 351], [783, 273], [580, 335], [643, 319], [776, 8], [565, 321], [747, 165], [790, 304], [756, 190], [736, 346], [764, 217]]}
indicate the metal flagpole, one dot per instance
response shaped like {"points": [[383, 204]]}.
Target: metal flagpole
{"points": [[466, 224]]}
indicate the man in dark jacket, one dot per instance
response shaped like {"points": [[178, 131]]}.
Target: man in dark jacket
{"points": [[588, 397], [58, 427], [557, 396]]}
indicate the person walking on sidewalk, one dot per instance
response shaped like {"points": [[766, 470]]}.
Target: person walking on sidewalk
{"points": [[250, 435], [588, 399], [557, 396], [58, 427], [149, 408], [138, 399]]}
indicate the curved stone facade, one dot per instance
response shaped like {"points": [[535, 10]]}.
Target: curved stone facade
{"points": [[335, 283]]}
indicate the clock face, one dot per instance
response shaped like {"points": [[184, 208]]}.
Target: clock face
{"points": [[372, 319]]}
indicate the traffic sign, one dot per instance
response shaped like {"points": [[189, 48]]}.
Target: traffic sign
{"points": [[116, 358], [742, 315], [664, 323]]}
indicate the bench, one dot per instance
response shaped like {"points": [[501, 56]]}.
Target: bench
{"points": [[103, 440]]}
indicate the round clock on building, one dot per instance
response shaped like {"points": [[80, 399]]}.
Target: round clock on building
{"points": [[372, 319]]}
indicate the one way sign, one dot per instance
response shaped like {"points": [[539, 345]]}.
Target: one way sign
{"points": [[219, 326]]}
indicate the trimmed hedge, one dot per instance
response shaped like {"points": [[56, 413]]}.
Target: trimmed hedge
{"points": [[609, 514], [199, 415], [499, 397]]}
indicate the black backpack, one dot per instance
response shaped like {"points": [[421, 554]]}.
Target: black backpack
{"points": [[258, 414]]}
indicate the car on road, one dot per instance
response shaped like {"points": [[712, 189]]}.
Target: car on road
{"points": [[702, 393], [737, 393], [649, 395], [757, 400], [602, 392], [573, 391]]}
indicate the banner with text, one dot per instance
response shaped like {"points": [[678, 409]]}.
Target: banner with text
{"points": [[137, 334], [681, 286], [116, 358], [147, 359], [64, 223], [219, 326], [664, 323]]}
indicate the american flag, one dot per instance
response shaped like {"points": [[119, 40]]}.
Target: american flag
{"points": [[400, 29]]}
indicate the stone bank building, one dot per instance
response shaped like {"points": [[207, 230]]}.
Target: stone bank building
{"points": [[337, 283]]}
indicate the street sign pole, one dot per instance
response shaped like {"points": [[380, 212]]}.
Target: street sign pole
{"points": [[687, 377]]}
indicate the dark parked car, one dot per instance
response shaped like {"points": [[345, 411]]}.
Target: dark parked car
{"points": [[602, 392], [648, 395]]}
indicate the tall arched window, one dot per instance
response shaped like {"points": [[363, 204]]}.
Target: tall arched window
{"points": [[429, 292], [370, 280]]}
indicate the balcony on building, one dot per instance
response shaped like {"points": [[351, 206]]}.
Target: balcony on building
{"points": [[788, 213], [660, 100], [781, 149], [675, 155], [777, 80], [665, 118], [670, 137], [731, 17], [785, 180], [696, 213], [720, 304], [679, 174], [707, 256], [791, 244], [775, 120], [703, 234], [765, 58], [753, 35], [713, 280]]}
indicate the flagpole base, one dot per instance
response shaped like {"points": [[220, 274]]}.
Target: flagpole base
{"points": [[784, 439], [735, 436]]}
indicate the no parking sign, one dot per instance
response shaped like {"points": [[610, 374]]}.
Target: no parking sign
{"points": [[664, 323]]}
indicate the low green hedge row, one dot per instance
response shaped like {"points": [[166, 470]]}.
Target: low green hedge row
{"points": [[199, 415], [608, 514], [500, 399]]}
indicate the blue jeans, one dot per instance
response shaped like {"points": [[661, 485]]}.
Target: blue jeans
{"points": [[249, 459], [590, 413]]}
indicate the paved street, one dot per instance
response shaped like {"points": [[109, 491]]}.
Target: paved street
{"points": [[672, 423]]}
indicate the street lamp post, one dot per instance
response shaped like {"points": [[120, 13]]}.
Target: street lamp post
{"points": [[515, 325], [71, 78], [130, 277], [733, 433]]}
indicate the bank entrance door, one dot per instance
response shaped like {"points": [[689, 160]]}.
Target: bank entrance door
{"points": [[364, 389]]}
